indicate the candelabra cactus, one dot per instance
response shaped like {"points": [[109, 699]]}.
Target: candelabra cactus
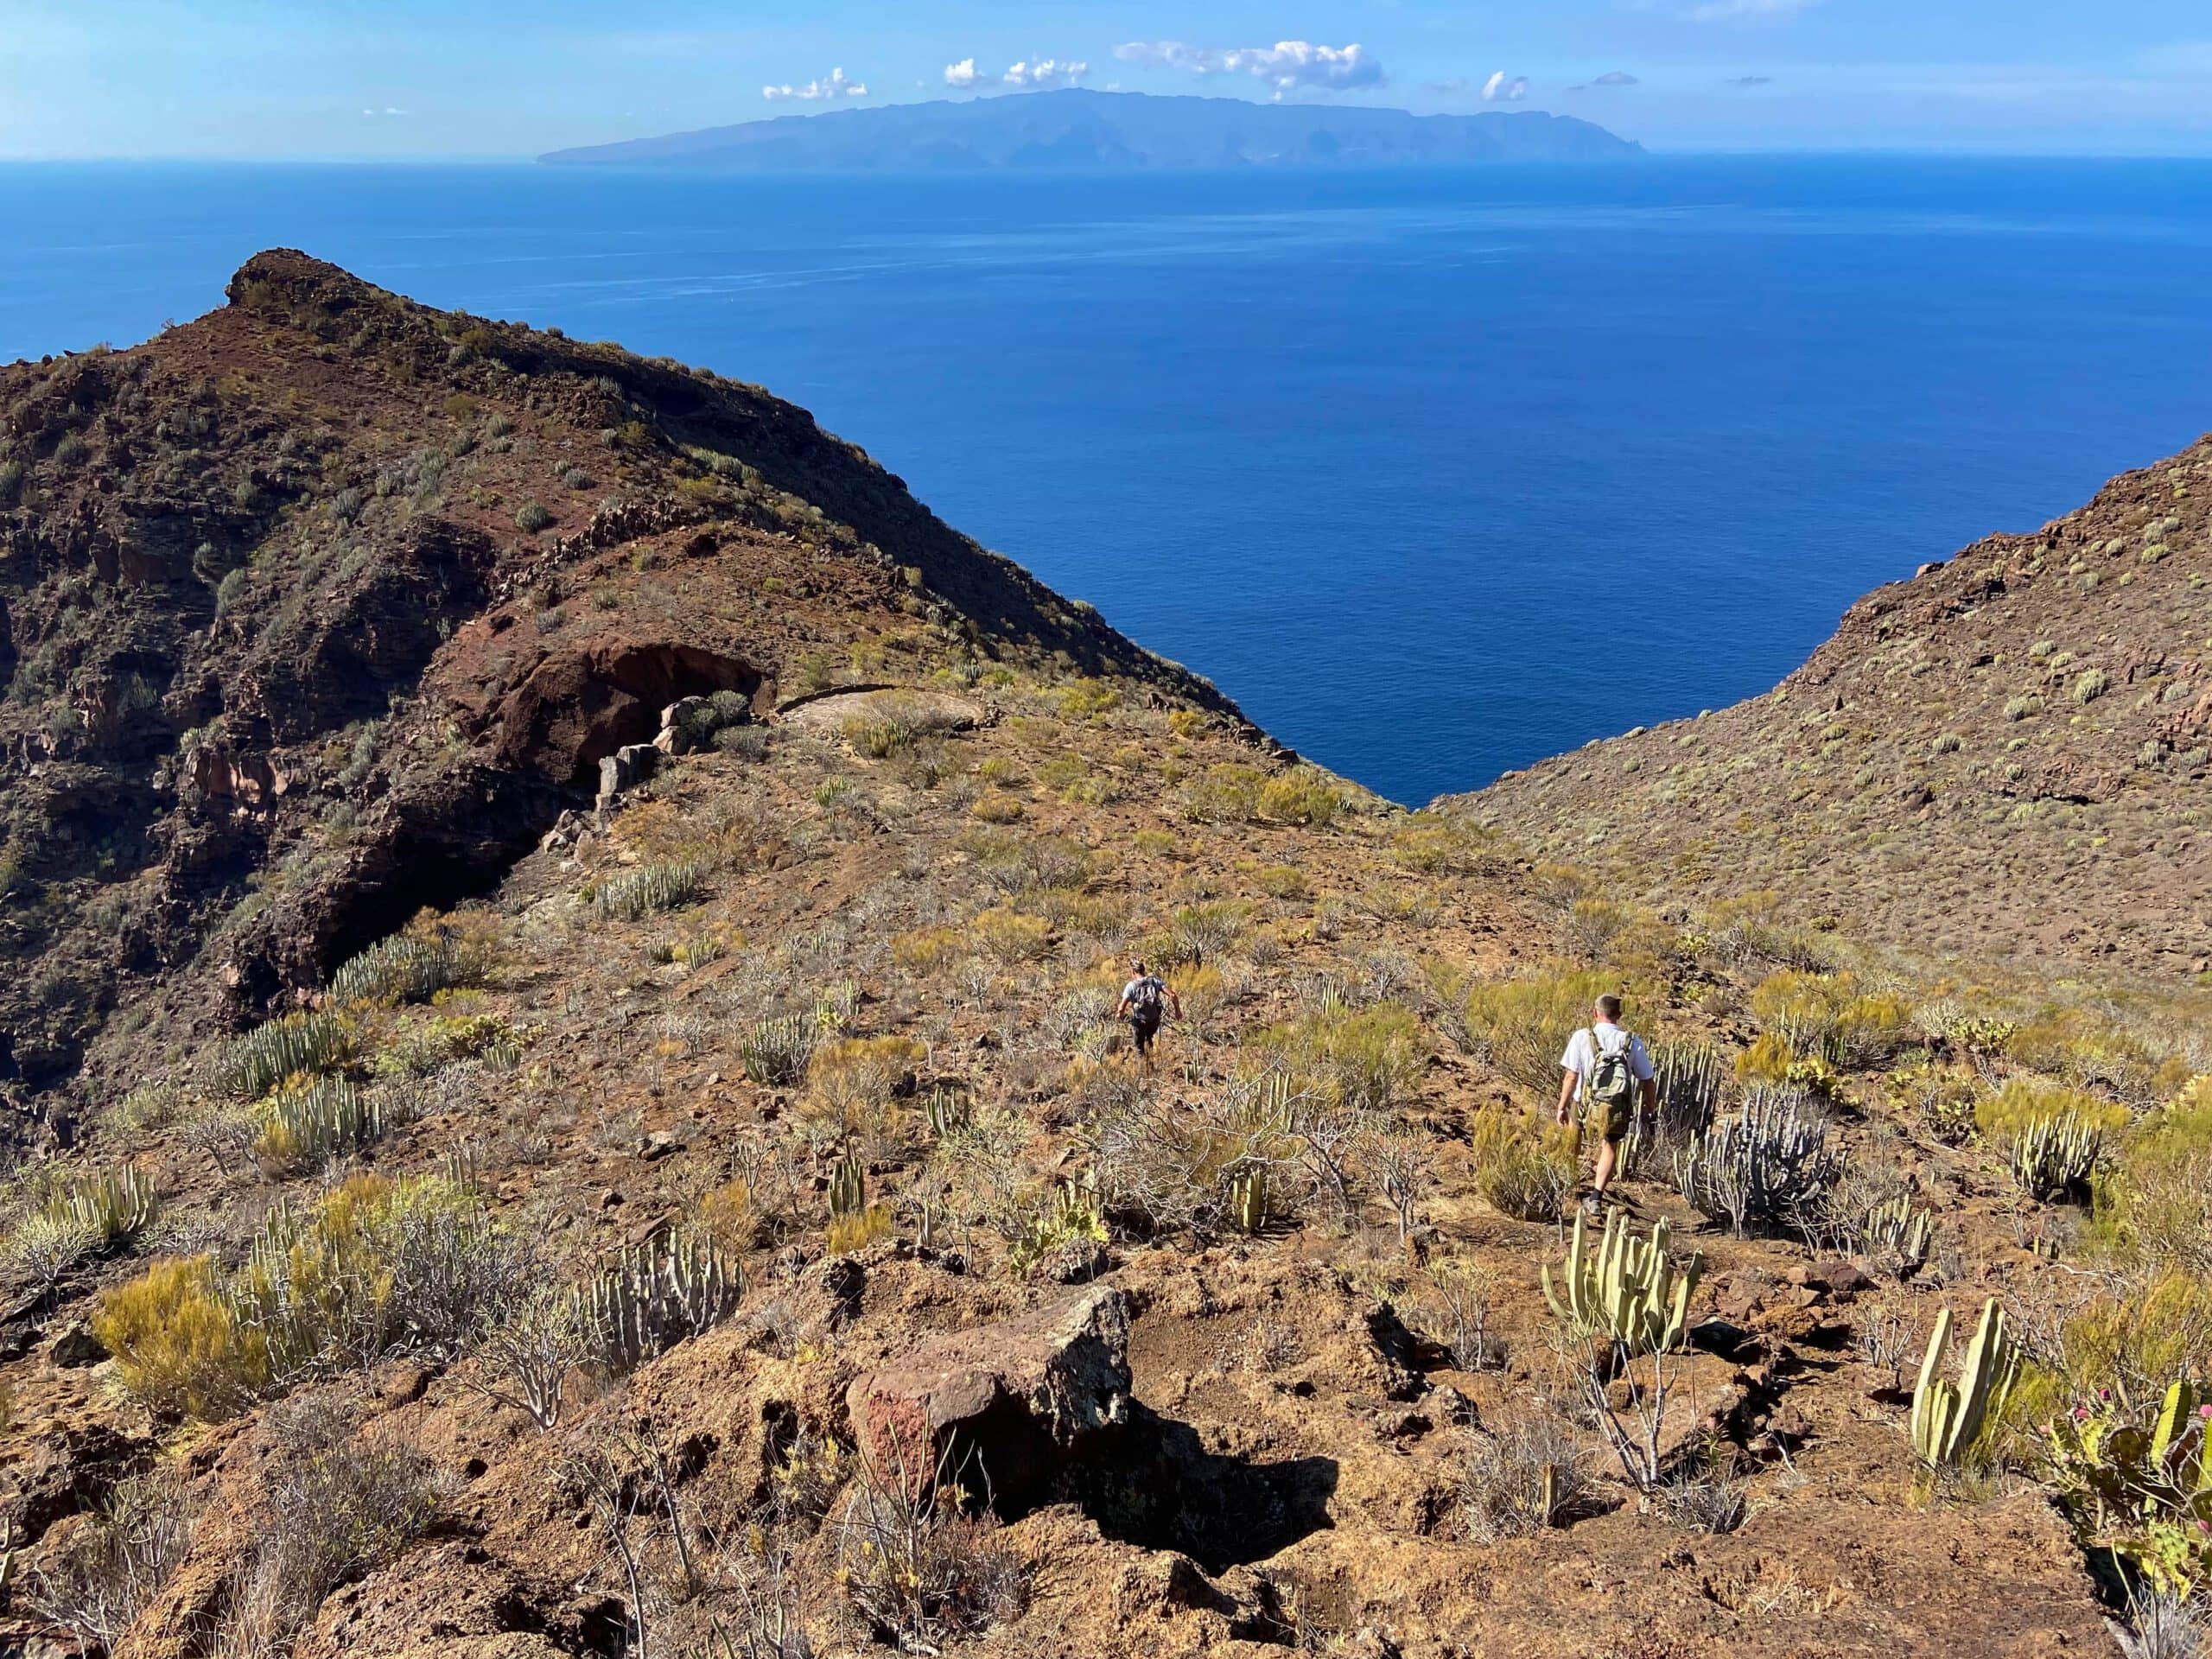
{"points": [[107, 1210], [946, 1111], [1902, 1231], [847, 1187], [1948, 1416], [1628, 1291], [775, 1052], [1247, 1198], [654, 1298], [2055, 1156], [297, 1045], [303, 1127]]}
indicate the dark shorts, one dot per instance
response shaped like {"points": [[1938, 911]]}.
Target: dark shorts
{"points": [[1144, 1027]]}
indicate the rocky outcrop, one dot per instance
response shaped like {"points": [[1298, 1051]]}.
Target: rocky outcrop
{"points": [[999, 1408]]}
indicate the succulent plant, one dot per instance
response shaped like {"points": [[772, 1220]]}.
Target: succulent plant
{"points": [[655, 1297], [1247, 1198], [1947, 1416], [775, 1052], [2055, 1156], [631, 895], [405, 967], [1768, 1164], [1628, 1290], [108, 1209], [305, 1126], [1901, 1230], [848, 1187], [947, 1112], [297, 1044]]}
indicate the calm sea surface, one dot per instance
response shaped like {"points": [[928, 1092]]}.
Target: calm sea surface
{"points": [[1436, 474]]}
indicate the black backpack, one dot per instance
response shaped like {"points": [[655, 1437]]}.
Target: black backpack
{"points": [[1146, 998]]}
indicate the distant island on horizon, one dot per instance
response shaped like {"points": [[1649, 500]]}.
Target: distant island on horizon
{"points": [[1130, 131]]}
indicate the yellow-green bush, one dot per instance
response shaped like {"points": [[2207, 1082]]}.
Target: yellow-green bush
{"points": [[1366, 1060], [1303, 795], [928, 951], [2154, 1203], [1823, 1013], [2026, 1101], [1011, 937], [1521, 1025], [178, 1345], [1770, 1060], [853, 1079], [1523, 1167], [1226, 794], [1089, 699]]}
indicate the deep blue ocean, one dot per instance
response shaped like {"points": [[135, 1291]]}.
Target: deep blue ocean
{"points": [[1436, 474]]}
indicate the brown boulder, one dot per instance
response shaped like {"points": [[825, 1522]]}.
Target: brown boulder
{"points": [[999, 1406]]}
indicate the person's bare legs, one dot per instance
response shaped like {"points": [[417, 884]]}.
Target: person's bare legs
{"points": [[1608, 1155]]}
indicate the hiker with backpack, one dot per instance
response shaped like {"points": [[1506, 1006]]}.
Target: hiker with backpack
{"points": [[1609, 1068], [1146, 1001]]}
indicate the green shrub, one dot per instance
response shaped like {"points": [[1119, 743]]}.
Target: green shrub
{"points": [[1522, 1169], [533, 516], [2089, 685]]}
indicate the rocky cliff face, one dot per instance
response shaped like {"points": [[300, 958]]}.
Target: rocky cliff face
{"points": [[2006, 756], [322, 607]]}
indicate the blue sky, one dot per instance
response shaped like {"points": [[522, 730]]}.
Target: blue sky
{"points": [[410, 78]]}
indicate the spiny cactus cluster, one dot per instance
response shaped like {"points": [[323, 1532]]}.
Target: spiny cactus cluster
{"points": [[1687, 1077], [1247, 1198], [1900, 1232], [2142, 1491], [775, 1052], [668, 884], [2055, 1156], [306, 1127], [947, 1111], [1768, 1165], [1628, 1290], [654, 1298], [1947, 1416], [295, 1046], [405, 967], [847, 1187], [107, 1210]]}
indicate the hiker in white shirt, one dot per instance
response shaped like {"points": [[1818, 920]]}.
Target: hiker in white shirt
{"points": [[1608, 1067]]}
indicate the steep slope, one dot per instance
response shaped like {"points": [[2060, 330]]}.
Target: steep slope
{"points": [[323, 607], [1075, 128], [727, 1219], [2006, 756]]}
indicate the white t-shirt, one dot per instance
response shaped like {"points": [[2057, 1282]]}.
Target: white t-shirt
{"points": [[1582, 1061]]}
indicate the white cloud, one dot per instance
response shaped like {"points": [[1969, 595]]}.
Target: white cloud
{"points": [[387, 110], [1610, 78], [1028, 76], [1287, 66], [817, 92], [1498, 89]]}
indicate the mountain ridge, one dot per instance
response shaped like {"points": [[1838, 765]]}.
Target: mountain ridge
{"points": [[1075, 128]]}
